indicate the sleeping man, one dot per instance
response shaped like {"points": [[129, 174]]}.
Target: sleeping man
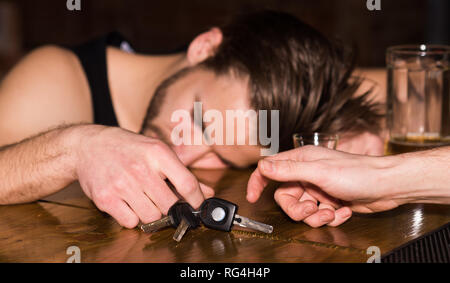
{"points": [[103, 115]]}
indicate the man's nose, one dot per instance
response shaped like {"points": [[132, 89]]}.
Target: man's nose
{"points": [[188, 154]]}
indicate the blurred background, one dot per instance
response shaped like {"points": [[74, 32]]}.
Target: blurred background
{"points": [[156, 26]]}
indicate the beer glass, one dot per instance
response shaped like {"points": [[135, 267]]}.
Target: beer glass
{"points": [[316, 139], [418, 97]]}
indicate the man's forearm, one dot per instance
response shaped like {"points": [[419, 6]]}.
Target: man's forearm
{"points": [[37, 166], [424, 177]]}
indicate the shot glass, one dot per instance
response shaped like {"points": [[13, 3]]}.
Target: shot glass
{"points": [[316, 139]]}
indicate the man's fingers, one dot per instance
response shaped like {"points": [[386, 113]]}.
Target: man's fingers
{"points": [[120, 211], [288, 198], [327, 215], [322, 217], [340, 216], [184, 181], [256, 185], [290, 170], [286, 166], [306, 153], [159, 193], [318, 194], [207, 191], [143, 207]]}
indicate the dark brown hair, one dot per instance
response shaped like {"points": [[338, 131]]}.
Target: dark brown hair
{"points": [[295, 69]]}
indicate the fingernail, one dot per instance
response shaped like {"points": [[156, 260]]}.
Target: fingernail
{"points": [[267, 165]]}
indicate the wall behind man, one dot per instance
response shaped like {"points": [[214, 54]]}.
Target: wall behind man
{"points": [[161, 25]]}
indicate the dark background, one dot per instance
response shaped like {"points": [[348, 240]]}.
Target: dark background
{"points": [[156, 26]]}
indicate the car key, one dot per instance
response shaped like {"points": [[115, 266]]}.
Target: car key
{"points": [[180, 215], [186, 217], [220, 214]]}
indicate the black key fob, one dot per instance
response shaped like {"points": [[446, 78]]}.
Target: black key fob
{"points": [[218, 214], [181, 210]]}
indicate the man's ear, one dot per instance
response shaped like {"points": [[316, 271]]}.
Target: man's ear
{"points": [[204, 46]]}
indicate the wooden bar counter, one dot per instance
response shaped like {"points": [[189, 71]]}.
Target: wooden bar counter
{"points": [[43, 231]]}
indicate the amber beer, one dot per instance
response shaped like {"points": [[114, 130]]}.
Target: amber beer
{"points": [[409, 144]]}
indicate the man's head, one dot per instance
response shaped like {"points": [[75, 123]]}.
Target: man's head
{"points": [[263, 61]]}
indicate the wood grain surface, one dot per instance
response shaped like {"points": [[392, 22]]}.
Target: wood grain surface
{"points": [[42, 231]]}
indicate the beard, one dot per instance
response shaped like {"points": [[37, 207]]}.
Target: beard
{"points": [[158, 101]]}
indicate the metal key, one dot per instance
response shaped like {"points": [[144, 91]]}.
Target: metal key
{"points": [[157, 225], [181, 230], [220, 214], [181, 215]]}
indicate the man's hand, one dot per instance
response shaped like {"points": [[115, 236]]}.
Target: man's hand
{"points": [[124, 174], [365, 143], [341, 182]]}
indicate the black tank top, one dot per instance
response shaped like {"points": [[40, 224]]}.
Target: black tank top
{"points": [[92, 56]]}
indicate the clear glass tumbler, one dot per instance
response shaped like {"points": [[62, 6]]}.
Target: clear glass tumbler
{"points": [[418, 97], [316, 139]]}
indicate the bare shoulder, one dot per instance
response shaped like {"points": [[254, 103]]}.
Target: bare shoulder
{"points": [[45, 89]]}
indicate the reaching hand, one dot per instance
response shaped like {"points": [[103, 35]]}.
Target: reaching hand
{"points": [[323, 186]]}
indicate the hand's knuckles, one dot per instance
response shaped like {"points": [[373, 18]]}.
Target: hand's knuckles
{"points": [[289, 166], [119, 184], [294, 211], [308, 151], [277, 195], [309, 148], [103, 199], [159, 147], [328, 214], [139, 168], [282, 167]]}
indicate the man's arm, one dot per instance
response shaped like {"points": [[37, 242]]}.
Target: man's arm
{"points": [[45, 90], [363, 183], [425, 177], [36, 167], [122, 172]]}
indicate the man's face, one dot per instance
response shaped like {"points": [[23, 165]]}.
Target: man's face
{"points": [[219, 93]]}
